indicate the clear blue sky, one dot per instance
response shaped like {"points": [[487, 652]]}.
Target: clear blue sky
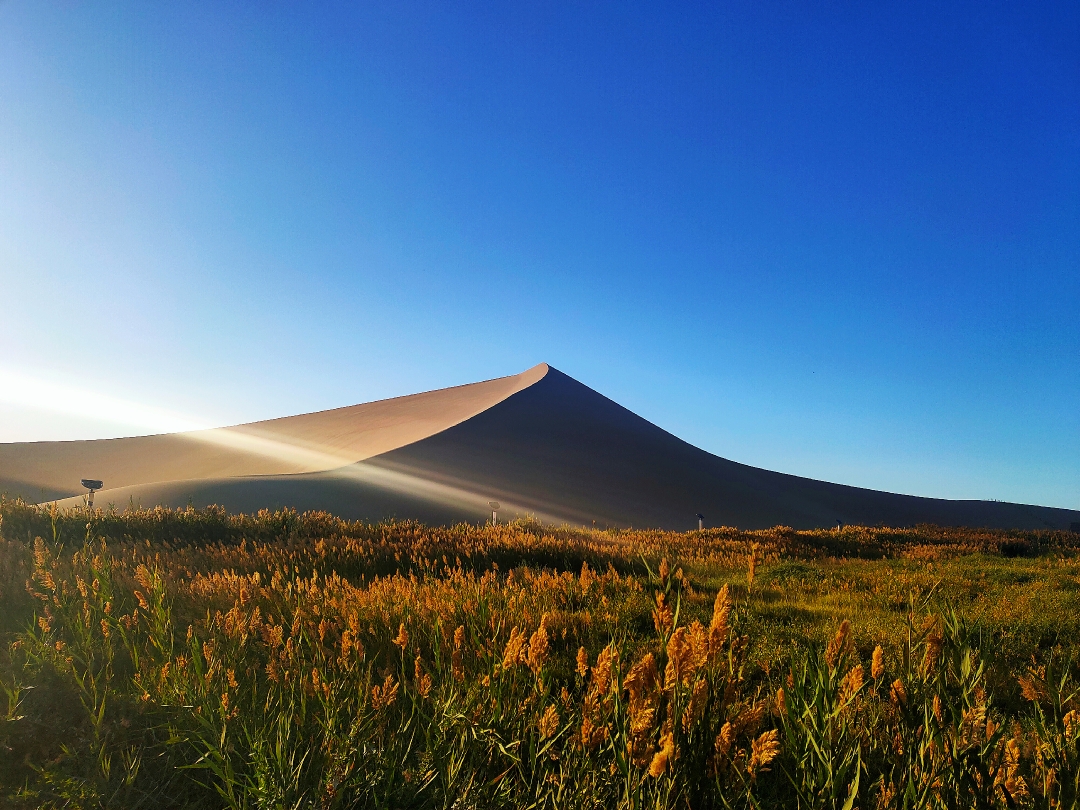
{"points": [[840, 240]]}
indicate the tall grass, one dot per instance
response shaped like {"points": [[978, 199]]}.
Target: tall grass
{"points": [[190, 659]]}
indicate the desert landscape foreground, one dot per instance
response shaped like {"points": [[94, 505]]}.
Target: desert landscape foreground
{"points": [[192, 658], [539, 443]]}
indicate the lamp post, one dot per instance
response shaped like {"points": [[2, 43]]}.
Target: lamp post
{"points": [[93, 485], [494, 512]]}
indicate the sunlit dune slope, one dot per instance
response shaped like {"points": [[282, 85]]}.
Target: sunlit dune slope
{"points": [[539, 443], [312, 442]]}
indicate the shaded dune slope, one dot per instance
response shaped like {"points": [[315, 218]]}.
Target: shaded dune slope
{"points": [[540, 443], [560, 447]]}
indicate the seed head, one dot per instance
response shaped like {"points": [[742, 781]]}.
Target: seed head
{"points": [[641, 678], [549, 722], [515, 647], [1008, 776], [582, 662], [695, 709], [718, 627], [851, 684], [764, 750], [662, 757], [1072, 723], [724, 740], [601, 673], [877, 663], [840, 644], [538, 648], [422, 679], [456, 667], [1032, 688], [678, 655], [382, 697], [592, 734], [897, 693], [663, 618]]}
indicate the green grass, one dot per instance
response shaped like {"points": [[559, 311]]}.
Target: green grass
{"points": [[192, 658]]}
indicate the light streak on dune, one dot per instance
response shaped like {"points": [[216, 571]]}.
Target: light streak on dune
{"points": [[311, 458], [291, 455]]}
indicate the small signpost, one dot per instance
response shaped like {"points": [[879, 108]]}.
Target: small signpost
{"points": [[93, 485]]}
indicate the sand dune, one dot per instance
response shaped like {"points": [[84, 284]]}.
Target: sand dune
{"points": [[312, 442], [539, 442]]}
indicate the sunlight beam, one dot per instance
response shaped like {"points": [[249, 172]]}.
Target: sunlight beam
{"points": [[23, 390]]}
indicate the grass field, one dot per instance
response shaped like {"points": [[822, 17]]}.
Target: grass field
{"points": [[195, 659]]}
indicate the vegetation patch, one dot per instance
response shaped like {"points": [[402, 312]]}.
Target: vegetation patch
{"points": [[184, 658]]}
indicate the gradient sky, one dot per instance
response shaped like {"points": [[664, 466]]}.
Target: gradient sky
{"points": [[840, 240]]}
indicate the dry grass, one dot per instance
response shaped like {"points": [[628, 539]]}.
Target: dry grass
{"points": [[192, 658]]}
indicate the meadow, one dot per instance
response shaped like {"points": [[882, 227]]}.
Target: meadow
{"points": [[187, 658]]}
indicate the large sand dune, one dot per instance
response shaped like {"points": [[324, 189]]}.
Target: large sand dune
{"points": [[539, 442]]}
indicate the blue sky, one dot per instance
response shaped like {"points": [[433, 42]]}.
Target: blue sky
{"points": [[840, 241]]}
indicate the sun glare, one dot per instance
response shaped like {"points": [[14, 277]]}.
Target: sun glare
{"points": [[35, 394]]}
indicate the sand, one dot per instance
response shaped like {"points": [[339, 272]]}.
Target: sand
{"points": [[540, 443], [313, 442]]}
